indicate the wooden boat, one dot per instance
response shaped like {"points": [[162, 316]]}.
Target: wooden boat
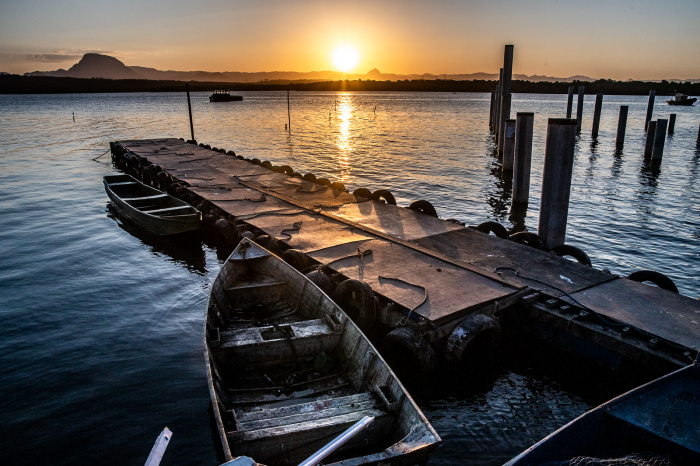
{"points": [[660, 419], [288, 371], [221, 95], [154, 210], [681, 99]]}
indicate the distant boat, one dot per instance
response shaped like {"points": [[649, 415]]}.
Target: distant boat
{"points": [[660, 419], [221, 95], [681, 99], [288, 371], [156, 211]]}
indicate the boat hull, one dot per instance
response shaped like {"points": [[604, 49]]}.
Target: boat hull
{"points": [[150, 208], [288, 371], [685, 102]]}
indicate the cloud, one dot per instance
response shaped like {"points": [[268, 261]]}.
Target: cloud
{"points": [[60, 56]]}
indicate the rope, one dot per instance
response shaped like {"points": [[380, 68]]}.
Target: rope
{"points": [[360, 253], [102, 154], [411, 311]]}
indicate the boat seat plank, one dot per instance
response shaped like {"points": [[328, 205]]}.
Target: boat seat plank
{"points": [[168, 209], [259, 413], [245, 287], [254, 336], [144, 198], [122, 183], [272, 395]]}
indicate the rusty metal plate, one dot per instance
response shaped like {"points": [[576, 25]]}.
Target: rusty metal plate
{"points": [[436, 290], [659, 312]]}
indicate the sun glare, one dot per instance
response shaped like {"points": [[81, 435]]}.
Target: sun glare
{"points": [[345, 58]]}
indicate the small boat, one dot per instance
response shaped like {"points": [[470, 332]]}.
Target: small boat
{"points": [[288, 371], [154, 210], [223, 95], [681, 99], [658, 422]]}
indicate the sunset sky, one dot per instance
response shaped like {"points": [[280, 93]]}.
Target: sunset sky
{"points": [[617, 39]]}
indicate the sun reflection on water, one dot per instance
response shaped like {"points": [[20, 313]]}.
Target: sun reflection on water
{"points": [[344, 109]]}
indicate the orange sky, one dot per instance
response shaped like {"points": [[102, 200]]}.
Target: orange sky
{"points": [[620, 39]]}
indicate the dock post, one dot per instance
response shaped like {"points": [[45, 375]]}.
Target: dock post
{"points": [[579, 109], [651, 133], [650, 108], [596, 115], [497, 111], [508, 147], [672, 123], [657, 151], [556, 180], [621, 126], [505, 92], [505, 103], [289, 115], [189, 107], [570, 102], [522, 159], [493, 98]]}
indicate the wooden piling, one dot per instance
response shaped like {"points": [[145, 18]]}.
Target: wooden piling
{"points": [[289, 114], [650, 108], [579, 109], [508, 146], [621, 126], [505, 91], [505, 107], [556, 180], [189, 108], [672, 123], [493, 103], [596, 115], [651, 133], [522, 159], [657, 151], [570, 102], [497, 111]]}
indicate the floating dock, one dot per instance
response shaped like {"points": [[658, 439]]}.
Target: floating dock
{"points": [[429, 274]]}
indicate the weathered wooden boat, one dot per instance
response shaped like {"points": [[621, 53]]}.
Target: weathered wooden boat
{"points": [[658, 422], [288, 371], [681, 99], [154, 210], [223, 95]]}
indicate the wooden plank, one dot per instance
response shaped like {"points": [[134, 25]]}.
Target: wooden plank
{"points": [[247, 415], [560, 275], [668, 315], [405, 275]]}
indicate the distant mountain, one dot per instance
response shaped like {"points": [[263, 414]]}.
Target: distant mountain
{"points": [[94, 65]]}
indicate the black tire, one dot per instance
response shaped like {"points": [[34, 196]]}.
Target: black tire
{"points": [[269, 243], [338, 186], [323, 181], [658, 279], [310, 177], [384, 194], [226, 232], [529, 239], [266, 164], [493, 227], [256, 161], [408, 352], [356, 298], [286, 169], [423, 207], [295, 258], [572, 251], [362, 192], [321, 280]]}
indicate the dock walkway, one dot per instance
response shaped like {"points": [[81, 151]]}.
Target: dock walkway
{"points": [[440, 270]]}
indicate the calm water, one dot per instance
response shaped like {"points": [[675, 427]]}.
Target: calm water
{"points": [[100, 343]]}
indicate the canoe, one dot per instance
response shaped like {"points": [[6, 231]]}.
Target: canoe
{"points": [[288, 371], [154, 210], [659, 420]]}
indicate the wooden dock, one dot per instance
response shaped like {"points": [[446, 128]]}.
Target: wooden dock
{"points": [[437, 271]]}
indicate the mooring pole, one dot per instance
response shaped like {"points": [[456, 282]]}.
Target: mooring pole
{"points": [[497, 113], [505, 95], [657, 151], [672, 123], [649, 143], [556, 180], [289, 115], [493, 103], [596, 115], [189, 107], [650, 108], [508, 147], [570, 102], [522, 159], [579, 108], [621, 126]]}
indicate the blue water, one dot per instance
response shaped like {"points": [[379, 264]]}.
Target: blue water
{"points": [[101, 337]]}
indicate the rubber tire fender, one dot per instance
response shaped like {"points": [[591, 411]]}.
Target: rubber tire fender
{"points": [[408, 352], [657, 278], [493, 227], [356, 298], [321, 280], [423, 207], [338, 186], [572, 251], [529, 239], [380, 194], [296, 259], [362, 192]]}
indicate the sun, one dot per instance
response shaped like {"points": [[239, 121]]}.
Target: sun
{"points": [[345, 58]]}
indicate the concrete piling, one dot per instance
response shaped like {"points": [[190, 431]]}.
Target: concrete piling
{"points": [[651, 133], [508, 146], [672, 123], [556, 180], [657, 150], [650, 108], [570, 102], [579, 109], [522, 159], [621, 126], [596, 115]]}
